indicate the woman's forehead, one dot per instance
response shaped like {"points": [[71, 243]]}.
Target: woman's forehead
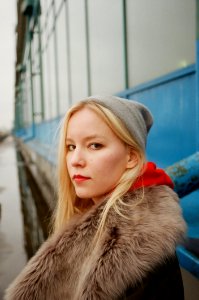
{"points": [[88, 124], [85, 116]]}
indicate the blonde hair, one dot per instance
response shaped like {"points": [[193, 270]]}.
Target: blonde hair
{"points": [[67, 199]]}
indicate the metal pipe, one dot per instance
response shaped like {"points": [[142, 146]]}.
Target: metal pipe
{"points": [[185, 175]]}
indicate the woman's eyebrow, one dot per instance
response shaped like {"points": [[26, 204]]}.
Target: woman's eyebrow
{"points": [[94, 136], [87, 138]]}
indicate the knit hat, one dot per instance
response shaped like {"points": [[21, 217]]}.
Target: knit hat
{"points": [[136, 117]]}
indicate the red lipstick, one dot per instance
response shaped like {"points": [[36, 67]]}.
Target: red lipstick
{"points": [[80, 178]]}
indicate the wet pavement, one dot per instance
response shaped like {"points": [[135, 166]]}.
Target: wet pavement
{"points": [[12, 250]]}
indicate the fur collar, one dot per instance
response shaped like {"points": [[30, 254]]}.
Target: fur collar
{"points": [[129, 248]]}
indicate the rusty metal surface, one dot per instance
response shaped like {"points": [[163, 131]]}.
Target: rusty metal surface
{"points": [[185, 175]]}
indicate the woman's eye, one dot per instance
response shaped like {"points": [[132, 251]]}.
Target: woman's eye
{"points": [[96, 146], [70, 147]]}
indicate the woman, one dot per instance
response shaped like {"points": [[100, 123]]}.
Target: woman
{"points": [[117, 221]]}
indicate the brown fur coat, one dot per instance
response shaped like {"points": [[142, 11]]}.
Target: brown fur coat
{"points": [[129, 248]]}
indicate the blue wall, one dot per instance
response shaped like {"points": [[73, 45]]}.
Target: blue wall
{"points": [[172, 101]]}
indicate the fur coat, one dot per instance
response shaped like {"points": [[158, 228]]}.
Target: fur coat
{"points": [[133, 248]]}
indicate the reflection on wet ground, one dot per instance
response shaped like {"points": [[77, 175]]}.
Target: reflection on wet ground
{"points": [[12, 253], [23, 221]]}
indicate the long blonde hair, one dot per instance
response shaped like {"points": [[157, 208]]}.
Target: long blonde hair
{"points": [[67, 198]]}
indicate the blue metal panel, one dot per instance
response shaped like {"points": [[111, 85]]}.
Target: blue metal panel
{"points": [[46, 131], [42, 138], [172, 101], [45, 140], [188, 261], [197, 72], [190, 208], [26, 133]]}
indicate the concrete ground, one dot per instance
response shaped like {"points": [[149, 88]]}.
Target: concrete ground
{"points": [[191, 286]]}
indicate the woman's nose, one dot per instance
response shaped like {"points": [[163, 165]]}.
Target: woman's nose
{"points": [[78, 158]]}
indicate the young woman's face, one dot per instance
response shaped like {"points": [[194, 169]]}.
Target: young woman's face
{"points": [[96, 157]]}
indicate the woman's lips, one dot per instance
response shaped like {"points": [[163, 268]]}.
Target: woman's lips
{"points": [[80, 178]]}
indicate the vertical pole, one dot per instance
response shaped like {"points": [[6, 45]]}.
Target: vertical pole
{"points": [[22, 110], [87, 50], [68, 54], [19, 106], [32, 91], [125, 45], [197, 74], [16, 115], [41, 71], [56, 60], [18, 109]]}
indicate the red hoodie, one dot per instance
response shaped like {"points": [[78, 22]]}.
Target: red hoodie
{"points": [[152, 176]]}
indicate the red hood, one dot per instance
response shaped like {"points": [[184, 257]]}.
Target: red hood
{"points": [[152, 176]]}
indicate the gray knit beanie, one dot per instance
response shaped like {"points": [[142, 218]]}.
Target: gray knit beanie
{"points": [[134, 115]]}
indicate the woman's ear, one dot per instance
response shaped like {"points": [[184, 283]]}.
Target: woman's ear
{"points": [[132, 159]]}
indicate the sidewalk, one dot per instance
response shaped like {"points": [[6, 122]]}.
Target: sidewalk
{"points": [[12, 252]]}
